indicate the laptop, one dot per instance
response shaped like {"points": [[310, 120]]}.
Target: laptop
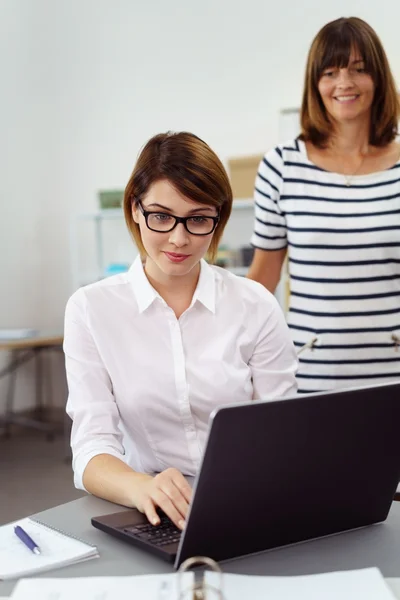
{"points": [[281, 472]]}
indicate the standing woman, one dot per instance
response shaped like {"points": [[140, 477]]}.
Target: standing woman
{"points": [[331, 201]]}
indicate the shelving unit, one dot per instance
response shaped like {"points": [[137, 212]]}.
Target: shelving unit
{"points": [[237, 234]]}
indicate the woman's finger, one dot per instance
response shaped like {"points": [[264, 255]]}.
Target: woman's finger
{"points": [[163, 501], [176, 497], [150, 511], [182, 485]]}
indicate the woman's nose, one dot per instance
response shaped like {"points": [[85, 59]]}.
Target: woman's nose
{"points": [[344, 79], [179, 235]]}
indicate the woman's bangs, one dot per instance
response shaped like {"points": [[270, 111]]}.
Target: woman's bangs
{"points": [[335, 51]]}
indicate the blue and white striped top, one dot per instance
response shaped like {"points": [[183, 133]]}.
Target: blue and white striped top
{"points": [[344, 265]]}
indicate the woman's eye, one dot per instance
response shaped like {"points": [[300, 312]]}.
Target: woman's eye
{"points": [[162, 217], [198, 219], [328, 73]]}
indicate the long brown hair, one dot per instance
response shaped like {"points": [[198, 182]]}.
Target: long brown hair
{"points": [[191, 167], [331, 48]]}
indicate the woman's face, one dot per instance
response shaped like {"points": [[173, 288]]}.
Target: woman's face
{"points": [[347, 93], [177, 252]]}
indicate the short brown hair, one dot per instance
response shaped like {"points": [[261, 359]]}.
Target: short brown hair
{"points": [[191, 167], [331, 48]]}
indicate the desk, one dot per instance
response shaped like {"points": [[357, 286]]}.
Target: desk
{"points": [[21, 351], [377, 545]]}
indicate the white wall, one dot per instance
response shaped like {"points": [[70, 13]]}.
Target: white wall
{"points": [[86, 82]]}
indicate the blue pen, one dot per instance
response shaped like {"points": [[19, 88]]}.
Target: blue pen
{"points": [[26, 539]]}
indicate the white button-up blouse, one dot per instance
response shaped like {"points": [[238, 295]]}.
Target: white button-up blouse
{"points": [[142, 383]]}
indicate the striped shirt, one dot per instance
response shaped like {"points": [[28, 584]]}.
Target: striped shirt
{"points": [[344, 265]]}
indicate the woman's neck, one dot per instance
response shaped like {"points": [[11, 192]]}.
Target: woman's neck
{"points": [[350, 139], [177, 291]]}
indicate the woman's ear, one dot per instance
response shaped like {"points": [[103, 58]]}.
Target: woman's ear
{"points": [[135, 212]]}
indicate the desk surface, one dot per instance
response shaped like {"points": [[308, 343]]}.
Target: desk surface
{"points": [[27, 343], [378, 545]]}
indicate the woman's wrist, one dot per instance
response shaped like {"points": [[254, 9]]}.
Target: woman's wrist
{"points": [[133, 488], [112, 479]]}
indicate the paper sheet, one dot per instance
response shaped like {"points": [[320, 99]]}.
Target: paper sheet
{"points": [[143, 587], [394, 584], [365, 584]]}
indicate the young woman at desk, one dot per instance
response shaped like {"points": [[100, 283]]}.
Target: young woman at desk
{"points": [[151, 353], [331, 200]]}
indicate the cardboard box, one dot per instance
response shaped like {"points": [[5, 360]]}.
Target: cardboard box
{"points": [[242, 173]]}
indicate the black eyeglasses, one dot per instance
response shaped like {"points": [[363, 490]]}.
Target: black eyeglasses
{"points": [[164, 222]]}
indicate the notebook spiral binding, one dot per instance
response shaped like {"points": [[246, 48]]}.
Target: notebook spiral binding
{"points": [[200, 590], [61, 532]]}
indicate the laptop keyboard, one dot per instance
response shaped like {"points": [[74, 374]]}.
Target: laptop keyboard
{"points": [[159, 535]]}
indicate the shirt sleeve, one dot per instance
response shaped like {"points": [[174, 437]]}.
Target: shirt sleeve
{"points": [[269, 220], [91, 403], [274, 361]]}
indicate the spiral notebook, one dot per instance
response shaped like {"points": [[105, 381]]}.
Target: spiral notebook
{"points": [[58, 549]]}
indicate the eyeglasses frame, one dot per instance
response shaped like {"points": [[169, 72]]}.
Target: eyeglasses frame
{"points": [[183, 220]]}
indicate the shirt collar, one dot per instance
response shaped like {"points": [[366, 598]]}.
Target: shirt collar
{"points": [[205, 289], [145, 294]]}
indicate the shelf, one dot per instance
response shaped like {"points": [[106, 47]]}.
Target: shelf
{"points": [[243, 204], [118, 213], [109, 213]]}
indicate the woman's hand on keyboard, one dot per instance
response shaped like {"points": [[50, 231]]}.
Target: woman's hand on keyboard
{"points": [[169, 491]]}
